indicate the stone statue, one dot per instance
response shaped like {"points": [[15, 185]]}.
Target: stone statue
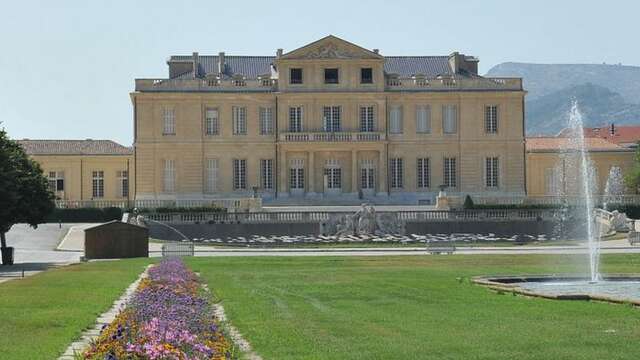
{"points": [[367, 220], [347, 225], [389, 224], [363, 222], [619, 221]]}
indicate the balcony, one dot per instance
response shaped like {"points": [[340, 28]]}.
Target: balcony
{"points": [[454, 84], [322, 136], [206, 85]]}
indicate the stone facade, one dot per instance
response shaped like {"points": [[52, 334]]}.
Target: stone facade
{"points": [[340, 115]]}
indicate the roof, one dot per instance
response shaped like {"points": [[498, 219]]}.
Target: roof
{"points": [[74, 147], [543, 144], [253, 66], [621, 135]]}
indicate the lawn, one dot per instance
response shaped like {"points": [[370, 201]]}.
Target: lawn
{"points": [[42, 314], [415, 307]]}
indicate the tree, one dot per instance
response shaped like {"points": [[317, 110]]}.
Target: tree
{"points": [[24, 192], [632, 178], [468, 203]]}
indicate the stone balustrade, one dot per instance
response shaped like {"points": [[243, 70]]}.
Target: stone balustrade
{"points": [[322, 136], [443, 84], [230, 85]]}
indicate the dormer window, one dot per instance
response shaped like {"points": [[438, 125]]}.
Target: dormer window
{"points": [[366, 76], [331, 76], [295, 76]]}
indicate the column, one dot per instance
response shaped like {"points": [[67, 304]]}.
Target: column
{"points": [[311, 171], [283, 182], [382, 172], [354, 171]]}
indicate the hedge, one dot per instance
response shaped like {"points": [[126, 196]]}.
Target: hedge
{"points": [[85, 215], [632, 211]]}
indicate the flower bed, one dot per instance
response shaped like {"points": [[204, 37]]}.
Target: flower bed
{"points": [[169, 317]]}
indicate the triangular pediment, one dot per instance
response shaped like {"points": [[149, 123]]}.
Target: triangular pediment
{"points": [[331, 47]]}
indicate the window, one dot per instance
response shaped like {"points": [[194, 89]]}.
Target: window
{"points": [[333, 172], [212, 175], [331, 117], [295, 119], [424, 173], [169, 117], [266, 121], [491, 171], [239, 114], [491, 119], [367, 121], [266, 174], [123, 183], [396, 173], [423, 119], [450, 119], [450, 172], [98, 184], [366, 76], [395, 120], [367, 175], [169, 175], [295, 76], [554, 181], [296, 174], [331, 76], [239, 174], [212, 122], [56, 181]]}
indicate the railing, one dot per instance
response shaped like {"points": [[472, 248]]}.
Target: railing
{"points": [[551, 200], [233, 204], [322, 136], [454, 84], [322, 216], [205, 85]]}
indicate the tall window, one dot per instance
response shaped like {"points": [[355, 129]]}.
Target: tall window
{"points": [[98, 184], [169, 175], [449, 119], [423, 119], [397, 173], [367, 175], [395, 120], [123, 183], [331, 117], [239, 114], [295, 119], [424, 173], [212, 122], [56, 181], [239, 174], [212, 175], [491, 119], [266, 173], [366, 76], [169, 118], [333, 172], [367, 120], [296, 174], [331, 76], [450, 178], [266, 120], [491, 171], [295, 76]]}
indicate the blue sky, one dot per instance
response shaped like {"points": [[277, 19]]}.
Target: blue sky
{"points": [[67, 67]]}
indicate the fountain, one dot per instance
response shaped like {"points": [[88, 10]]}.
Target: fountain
{"points": [[582, 213], [614, 188]]}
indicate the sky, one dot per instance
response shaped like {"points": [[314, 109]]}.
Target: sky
{"points": [[67, 67]]}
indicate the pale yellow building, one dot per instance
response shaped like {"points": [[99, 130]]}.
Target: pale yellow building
{"points": [[553, 165], [328, 122], [85, 172]]}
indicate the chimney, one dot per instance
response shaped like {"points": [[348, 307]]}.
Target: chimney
{"points": [[613, 129], [196, 64], [463, 63], [376, 51], [279, 53], [221, 62]]}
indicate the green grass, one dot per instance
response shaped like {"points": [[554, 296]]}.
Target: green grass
{"points": [[415, 307], [42, 314]]}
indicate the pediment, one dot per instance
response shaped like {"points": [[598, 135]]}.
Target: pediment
{"points": [[331, 47]]}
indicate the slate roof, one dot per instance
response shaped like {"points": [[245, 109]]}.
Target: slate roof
{"points": [[74, 147], [542, 144], [253, 66]]}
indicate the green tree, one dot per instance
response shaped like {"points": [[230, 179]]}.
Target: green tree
{"points": [[24, 192], [632, 178]]}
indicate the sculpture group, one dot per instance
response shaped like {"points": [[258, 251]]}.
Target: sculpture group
{"points": [[365, 221]]}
